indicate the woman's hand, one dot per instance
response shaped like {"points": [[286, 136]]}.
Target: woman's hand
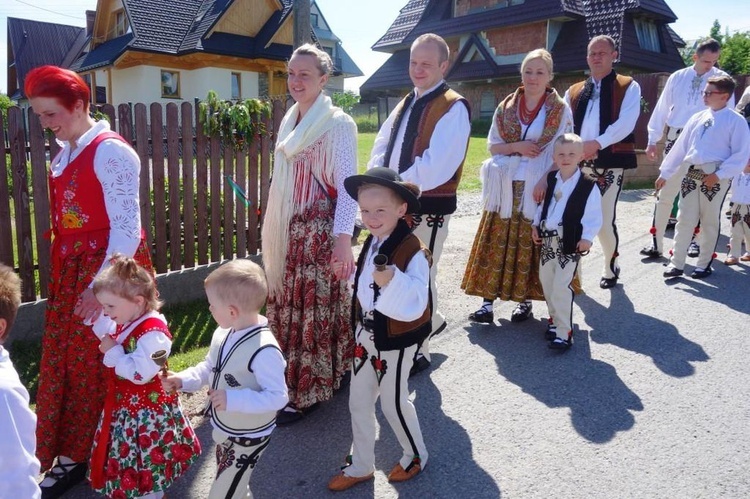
{"points": [[87, 306], [535, 236], [527, 149], [540, 189], [342, 259]]}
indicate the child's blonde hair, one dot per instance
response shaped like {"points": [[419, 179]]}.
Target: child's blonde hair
{"points": [[10, 297], [568, 138], [125, 278], [241, 283]]}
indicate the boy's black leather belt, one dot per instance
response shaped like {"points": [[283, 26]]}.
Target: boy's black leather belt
{"points": [[368, 324], [548, 233]]}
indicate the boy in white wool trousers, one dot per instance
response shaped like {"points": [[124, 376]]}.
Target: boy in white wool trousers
{"points": [[715, 144], [391, 316], [740, 217], [245, 371], [565, 225]]}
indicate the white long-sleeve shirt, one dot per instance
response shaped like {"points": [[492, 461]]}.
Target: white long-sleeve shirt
{"points": [[405, 297], [137, 366], [621, 127], [440, 160], [681, 98], [345, 165], [592, 214], [118, 168], [19, 467], [268, 367], [711, 136]]}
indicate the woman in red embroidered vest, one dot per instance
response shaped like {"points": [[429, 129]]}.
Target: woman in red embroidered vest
{"points": [[143, 442], [308, 224], [504, 263], [95, 212]]}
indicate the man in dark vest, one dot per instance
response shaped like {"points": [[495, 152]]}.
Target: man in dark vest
{"points": [[605, 108], [425, 139]]}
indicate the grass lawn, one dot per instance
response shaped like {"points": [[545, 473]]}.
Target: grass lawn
{"points": [[470, 178], [191, 326]]}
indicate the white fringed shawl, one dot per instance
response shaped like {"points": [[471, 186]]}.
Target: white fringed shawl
{"points": [[294, 186], [497, 173]]}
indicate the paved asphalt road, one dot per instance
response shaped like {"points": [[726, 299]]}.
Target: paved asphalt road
{"points": [[652, 401]]}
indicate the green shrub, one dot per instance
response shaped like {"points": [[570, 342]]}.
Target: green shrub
{"points": [[481, 127], [366, 124]]}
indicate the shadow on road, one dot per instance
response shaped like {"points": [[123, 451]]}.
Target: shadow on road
{"points": [[451, 471], [600, 403], [620, 325]]}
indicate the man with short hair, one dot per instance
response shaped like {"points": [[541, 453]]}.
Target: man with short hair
{"points": [[425, 139], [605, 109], [681, 98], [715, 144]]}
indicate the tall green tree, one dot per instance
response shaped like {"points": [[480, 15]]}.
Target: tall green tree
{"points": [[735, 53], [715, 32]]}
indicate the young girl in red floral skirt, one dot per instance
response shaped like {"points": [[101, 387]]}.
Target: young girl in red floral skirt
{"points": [[144, 441]]}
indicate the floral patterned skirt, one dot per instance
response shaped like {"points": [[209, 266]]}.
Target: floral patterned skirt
{"points": [[147, 450], [311, 317], [504, 262], [72, 377]]}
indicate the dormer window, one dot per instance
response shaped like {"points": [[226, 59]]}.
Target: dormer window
{"points": [[648, 34], [121, 23], [314, 20]]}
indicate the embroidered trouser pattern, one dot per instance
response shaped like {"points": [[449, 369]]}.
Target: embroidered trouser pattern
{"points": [[740, 229], [698, 203], [235, 460], [556, 272], [609, 181], [381, 374], [432, 230]]}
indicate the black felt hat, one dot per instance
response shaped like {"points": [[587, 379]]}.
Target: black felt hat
{"points": [[387, 178]]}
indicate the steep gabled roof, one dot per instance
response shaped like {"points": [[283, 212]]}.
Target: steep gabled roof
{"points": [[35, 43], [583, 19], [167, 28], [407, 19]]}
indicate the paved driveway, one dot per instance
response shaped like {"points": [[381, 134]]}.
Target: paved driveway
{"points": [[652, 401]]}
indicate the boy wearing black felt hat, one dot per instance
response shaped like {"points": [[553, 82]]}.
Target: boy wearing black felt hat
{"points": [[391, 315]]}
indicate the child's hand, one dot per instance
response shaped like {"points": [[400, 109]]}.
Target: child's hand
{"points": [[747, 168], [711, 180], [170, 382], [106, 344], [583, 246], [535, 235], [383, 277], [218, 399]]}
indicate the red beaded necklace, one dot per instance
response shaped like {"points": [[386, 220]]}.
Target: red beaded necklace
{"points": [[524, 114]]}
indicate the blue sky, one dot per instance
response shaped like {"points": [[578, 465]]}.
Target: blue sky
{"points": [[694, 21]]}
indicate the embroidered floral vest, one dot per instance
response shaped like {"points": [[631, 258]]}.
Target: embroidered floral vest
{"points": [[76, 195]]}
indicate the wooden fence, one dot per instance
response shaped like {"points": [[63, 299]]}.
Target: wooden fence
{"points": [[190, 212]]}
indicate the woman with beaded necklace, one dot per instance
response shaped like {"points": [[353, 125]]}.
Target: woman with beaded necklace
{"points": [[504, 263]]}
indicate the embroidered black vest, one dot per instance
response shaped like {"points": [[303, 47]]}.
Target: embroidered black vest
{"points": [[574, 209], [613, 87], [425, 114]]}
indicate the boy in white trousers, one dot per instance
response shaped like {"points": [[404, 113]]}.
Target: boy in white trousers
{"points": [[715, 145], [391, 316], [565, 225]]}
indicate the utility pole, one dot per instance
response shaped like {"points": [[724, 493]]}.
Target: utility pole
{"points": [[301, 14]]}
